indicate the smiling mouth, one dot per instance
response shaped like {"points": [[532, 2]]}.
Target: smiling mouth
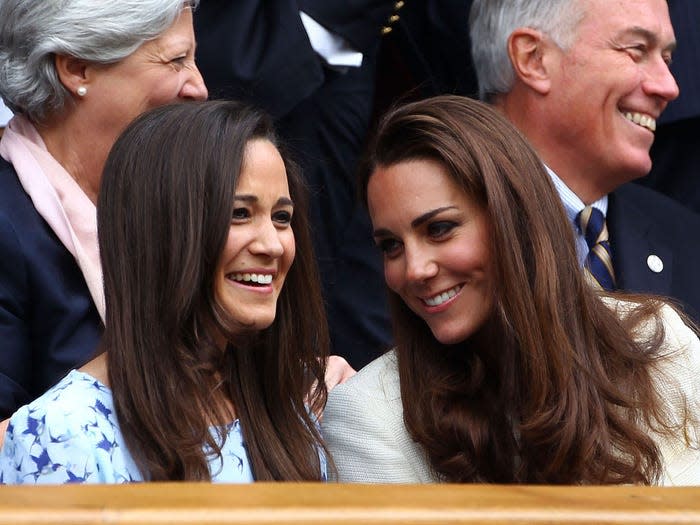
{"points": [[251, 279], [442, 297], [645, 121]]}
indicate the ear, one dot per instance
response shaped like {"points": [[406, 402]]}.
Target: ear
{"points": [[72, 72], [527, 48]]}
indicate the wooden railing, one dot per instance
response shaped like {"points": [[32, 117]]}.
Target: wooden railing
{"points": [[334, 504]]}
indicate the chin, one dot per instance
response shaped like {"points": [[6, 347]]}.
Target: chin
{"points": [[450, 337]]}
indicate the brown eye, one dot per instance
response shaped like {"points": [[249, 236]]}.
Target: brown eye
{"points": [[440, 228], [240, 214], [389, 247], [282, 217]]}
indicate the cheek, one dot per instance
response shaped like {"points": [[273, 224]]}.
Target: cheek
{"points": [[290, 250], [393, 275]]}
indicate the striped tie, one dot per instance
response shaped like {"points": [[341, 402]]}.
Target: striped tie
{"points": [[591, 222]]}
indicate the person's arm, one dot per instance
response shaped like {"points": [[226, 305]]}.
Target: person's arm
{"points": [[680, 389], [15, 350]]}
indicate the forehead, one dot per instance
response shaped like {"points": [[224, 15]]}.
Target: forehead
{"points": [[263, 170], [615, 18], [180, 33], [411, 187]]}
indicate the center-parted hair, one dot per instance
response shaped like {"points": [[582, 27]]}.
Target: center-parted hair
{"points": [[164, 213], [556, 388]]}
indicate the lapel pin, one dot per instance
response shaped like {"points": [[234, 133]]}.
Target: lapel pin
{"points": [[655, 264]]}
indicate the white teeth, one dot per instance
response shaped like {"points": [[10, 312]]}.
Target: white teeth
{"points": [[442, 297], [643, 120], [253, 277]]}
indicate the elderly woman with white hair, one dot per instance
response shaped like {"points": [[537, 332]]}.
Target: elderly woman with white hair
{"points": [[75, 73]]}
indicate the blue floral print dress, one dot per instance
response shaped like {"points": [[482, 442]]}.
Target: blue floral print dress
{"points": [[71, 435]]}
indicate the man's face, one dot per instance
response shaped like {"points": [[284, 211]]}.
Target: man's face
{"points": [[608, 90]]}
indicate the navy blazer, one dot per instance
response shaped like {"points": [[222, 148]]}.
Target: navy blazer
{"points": [[642, 223], [48, 321]]}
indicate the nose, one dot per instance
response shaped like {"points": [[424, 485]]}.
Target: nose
{"points": [[660, 82], [267, 241], [420, 266], [194, 87]]}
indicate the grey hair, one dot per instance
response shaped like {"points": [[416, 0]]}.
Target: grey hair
{"points": [[491, 22], [33, 32]]}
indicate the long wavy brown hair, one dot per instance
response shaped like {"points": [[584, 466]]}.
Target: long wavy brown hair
{"points": [[556, 387], [164, 212]]}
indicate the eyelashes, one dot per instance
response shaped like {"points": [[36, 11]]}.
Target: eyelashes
{"points": [[242, 215], [435, 231]]}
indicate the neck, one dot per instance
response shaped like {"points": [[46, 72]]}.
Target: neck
{"points": [[565, 161], [77, 150]]}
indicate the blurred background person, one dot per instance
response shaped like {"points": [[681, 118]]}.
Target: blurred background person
{"points": [[214, 359], [72, 93], [509, 366]]}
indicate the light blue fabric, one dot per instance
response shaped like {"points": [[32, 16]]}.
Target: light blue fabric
{"points": [[71, 435]]}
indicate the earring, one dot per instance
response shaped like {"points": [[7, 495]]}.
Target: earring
{"points": [[81, 91]]}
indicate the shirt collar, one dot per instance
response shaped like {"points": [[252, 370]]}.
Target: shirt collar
{"points": [[572, 204]]}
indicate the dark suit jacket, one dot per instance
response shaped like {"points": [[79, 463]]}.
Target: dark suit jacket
{"points": [[643, 222], [48, 322], [258, 50]]}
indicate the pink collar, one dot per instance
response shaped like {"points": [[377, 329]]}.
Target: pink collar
{"points": [[57, 198]]}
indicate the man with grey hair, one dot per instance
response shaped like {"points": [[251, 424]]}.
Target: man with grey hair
{"points": [[585, 81]]}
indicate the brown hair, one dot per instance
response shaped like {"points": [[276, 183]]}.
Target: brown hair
{"points": [[164, 212], [556, 387]]}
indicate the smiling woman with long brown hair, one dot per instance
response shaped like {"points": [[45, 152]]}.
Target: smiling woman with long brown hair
{"points": [[215, 339], [509, 366]]}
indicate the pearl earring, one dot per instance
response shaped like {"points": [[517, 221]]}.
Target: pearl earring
{"points": [[82, 91]]}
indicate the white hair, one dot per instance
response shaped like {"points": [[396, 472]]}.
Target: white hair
{"points": [[33, 32], [491, 22]]}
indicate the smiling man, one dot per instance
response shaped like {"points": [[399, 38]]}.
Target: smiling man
{"points": [[585, 81]]}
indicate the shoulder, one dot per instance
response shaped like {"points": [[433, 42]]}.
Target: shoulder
{"points": [[675, 375], [379, 379], [679, 337], [665, 211], [68, 435], [374, 390]]}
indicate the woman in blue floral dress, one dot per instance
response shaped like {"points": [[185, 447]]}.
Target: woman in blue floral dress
{"points": [[212, 362]]}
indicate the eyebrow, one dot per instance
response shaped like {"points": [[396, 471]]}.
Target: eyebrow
{"points": [[282, 201], [421, 219], [649, 36], [415, 223]]}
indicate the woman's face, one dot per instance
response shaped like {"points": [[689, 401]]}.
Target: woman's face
{"points": [[435, 242], [260, 247], [159, 72]]}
